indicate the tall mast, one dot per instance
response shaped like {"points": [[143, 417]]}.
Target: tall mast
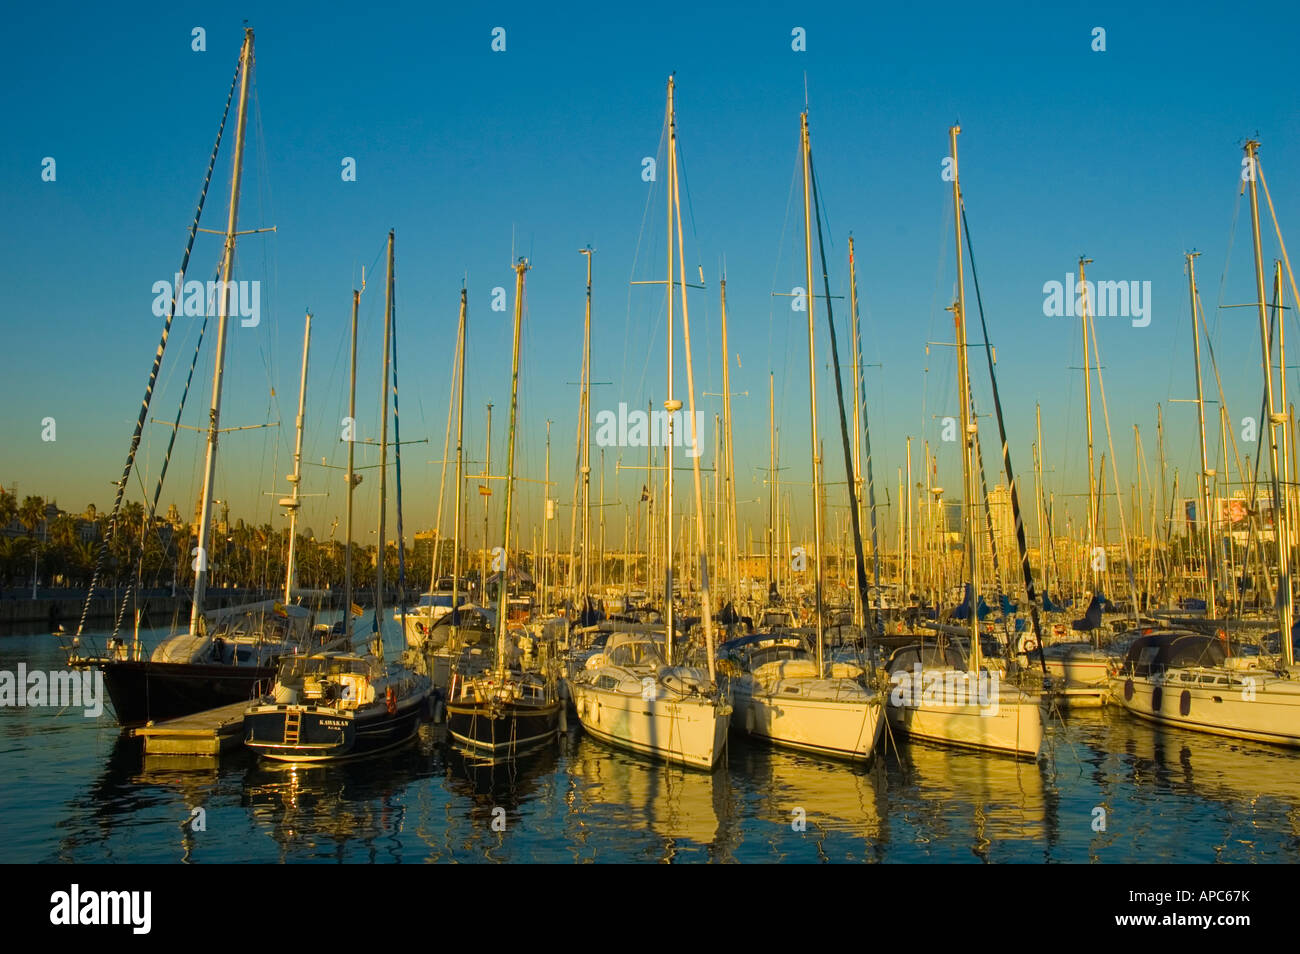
{"points": [[218, 374], [729, 457], [1275, 420], [436, 562], [586, 439], [382, 545], [520, 268], [1205, 464], [293, 503], [486, 492], [1087, 391], [706, 605], [812, 385], [351, 474], [907, 532], [858, 609], [670, 405], [1045, 543], [773, 534], [968, 424], [546, 511], [460, 457]]}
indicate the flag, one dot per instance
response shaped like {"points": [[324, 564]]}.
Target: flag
{"points": [[356, 610], [645, 493], [484, 491]]}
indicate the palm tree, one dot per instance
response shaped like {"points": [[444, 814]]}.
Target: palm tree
{"points": [[32, 514], [8, 508]]}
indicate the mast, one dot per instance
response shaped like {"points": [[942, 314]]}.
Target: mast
{"points": [[352, 478], [670, 405], [968, 425], [293, 503], [460, 455], [1087, 391], [218, 374], [729, 456], [812, 386], [520, 268], [486, 492], [382, 545], [1044, 542], [436, 562], [772, 533], [706, 605], [1275, 420], [546, 511], [586, 439], [1205, 464]]}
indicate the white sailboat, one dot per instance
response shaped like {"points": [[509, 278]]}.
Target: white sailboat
{"points": [[1190, 680], [630, 695], [941, 693], [783, 693]]}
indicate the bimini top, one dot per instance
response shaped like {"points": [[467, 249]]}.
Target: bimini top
{"points": [[634, 650], [928, 656], [1152, 654]]}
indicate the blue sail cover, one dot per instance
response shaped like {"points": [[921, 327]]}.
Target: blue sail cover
{"points": [[1007, 608], [1051, 607], [963, 611], [1092, 617]]}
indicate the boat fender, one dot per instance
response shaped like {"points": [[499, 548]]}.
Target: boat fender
{"points": [[390, 697], [749, 719]]}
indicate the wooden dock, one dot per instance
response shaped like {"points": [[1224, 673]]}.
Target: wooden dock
{"points": [[203, 733]]}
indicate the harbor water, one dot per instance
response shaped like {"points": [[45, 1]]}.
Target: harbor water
{"points": [[1107, 788]]}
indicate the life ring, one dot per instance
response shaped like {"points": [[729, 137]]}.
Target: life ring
{"points": [[1029, 645], [390, 697]]}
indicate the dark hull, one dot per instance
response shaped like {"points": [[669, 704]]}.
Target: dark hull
{"points": [[143, 691], [328, 734], [506, 731]]}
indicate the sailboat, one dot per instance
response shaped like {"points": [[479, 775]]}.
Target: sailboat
{"points": [[336, 703], [631, 694], [510, 707], [1200, 682], [942, 693], [223, 654], [784, 693]]}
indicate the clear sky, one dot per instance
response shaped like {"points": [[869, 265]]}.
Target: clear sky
{"points": [[1131, 155]]}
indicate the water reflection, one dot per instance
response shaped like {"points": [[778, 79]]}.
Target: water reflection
{"points": [[344, 811], [977, 802], [836, 809], [662, 811]]}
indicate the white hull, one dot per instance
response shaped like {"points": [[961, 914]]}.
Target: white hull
{"points": [[1243, 704], [688, 731], [847, 728], [1014, 725]]}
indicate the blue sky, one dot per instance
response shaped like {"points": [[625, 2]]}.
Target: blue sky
{"points": [[1131, 156]]}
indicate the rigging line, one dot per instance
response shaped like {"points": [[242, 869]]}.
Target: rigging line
{"points": [[157, 361], [1123, 529], [1021, 545], [860, 561], [636, 256], [785, 227], [1227, 256], [397, 467]]}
